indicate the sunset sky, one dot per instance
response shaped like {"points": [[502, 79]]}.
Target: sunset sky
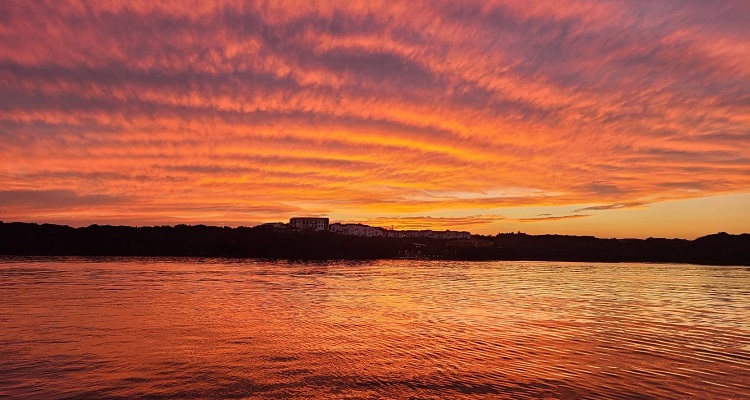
{"points": [[605, 118]]}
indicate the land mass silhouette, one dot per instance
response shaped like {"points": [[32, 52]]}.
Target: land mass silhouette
{"points": [[30, 239]]}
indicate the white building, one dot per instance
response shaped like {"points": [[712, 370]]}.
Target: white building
{"points": [[357, 230], [309, 223], [322, 224], [451, 235], [371, 231], [430, 234]]}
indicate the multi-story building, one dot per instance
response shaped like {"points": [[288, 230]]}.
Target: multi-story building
{"points": [[309, 223], [357, 230], [451, 235], [430, 234], [322, 224]]}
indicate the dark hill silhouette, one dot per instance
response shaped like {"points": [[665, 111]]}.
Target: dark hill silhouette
{"points": [[208, 241], [720, 248]]}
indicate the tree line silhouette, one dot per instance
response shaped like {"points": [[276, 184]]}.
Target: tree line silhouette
{"points": [[209, 241]]}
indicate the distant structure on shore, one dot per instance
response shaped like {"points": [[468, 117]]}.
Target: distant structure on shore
{"points": [[372, 231], [309, 224], [315, 224]]}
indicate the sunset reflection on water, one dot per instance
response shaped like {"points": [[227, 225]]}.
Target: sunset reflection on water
{"points": [[196, 328]]}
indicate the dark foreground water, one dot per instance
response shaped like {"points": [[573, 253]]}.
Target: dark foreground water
{"points": [[186, 328]]}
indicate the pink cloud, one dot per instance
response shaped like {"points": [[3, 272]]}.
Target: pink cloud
{"points": [[361, 106]]}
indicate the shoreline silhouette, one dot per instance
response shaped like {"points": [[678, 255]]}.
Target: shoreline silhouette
{"points": [[31, 239]]}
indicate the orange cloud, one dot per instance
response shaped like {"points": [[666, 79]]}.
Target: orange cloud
{"points": [[552, 218], [245, 111]]}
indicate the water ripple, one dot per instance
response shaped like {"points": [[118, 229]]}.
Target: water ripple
{"points": [[208, 328]]}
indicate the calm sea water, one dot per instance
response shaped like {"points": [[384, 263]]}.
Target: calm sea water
{"points": [[197, 328]]}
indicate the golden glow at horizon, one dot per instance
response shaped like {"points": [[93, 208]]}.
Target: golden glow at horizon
{"points": [[468, 115]]}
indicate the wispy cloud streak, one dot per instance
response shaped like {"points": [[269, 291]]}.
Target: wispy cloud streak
{"points": [[552, 218], [613, 206]]}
